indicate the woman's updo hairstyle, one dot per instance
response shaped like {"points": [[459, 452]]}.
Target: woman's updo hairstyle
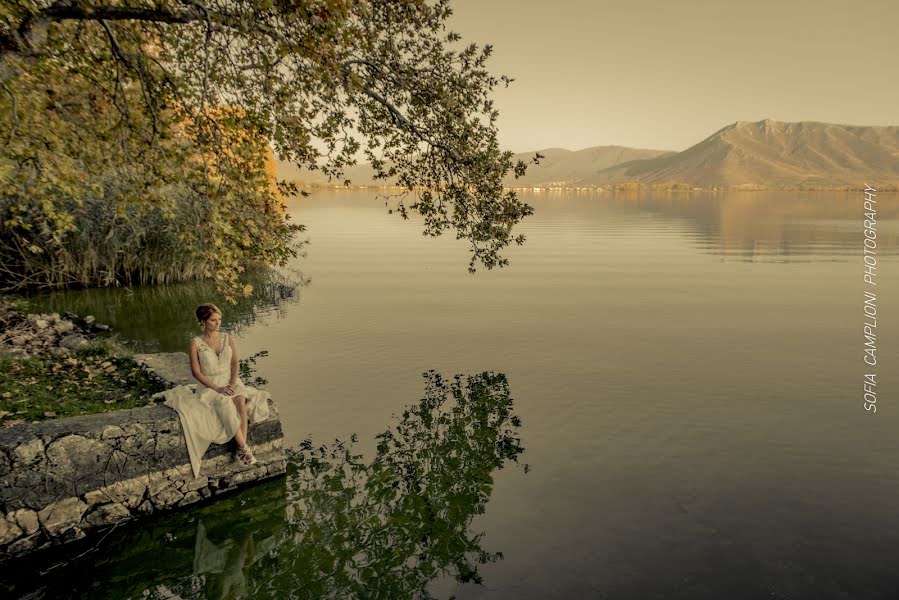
{"points": [[204, 311]]}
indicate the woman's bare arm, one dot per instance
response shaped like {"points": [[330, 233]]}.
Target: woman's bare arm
{"points": [[235, 364]]}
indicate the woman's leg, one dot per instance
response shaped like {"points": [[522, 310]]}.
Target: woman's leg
{"points": [[240, 403], [229, 415], [233, 413], [240, 438]]}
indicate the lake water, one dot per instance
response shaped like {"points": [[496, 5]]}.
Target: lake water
{"points": [[688, 369]]}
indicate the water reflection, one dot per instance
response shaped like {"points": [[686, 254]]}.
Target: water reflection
{"points": [[220, 568], [161, 316], [787, 226], [387, 528], [339, 526]]}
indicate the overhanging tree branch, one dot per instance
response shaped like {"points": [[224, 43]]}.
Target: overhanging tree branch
{"points": [[317, 80]]}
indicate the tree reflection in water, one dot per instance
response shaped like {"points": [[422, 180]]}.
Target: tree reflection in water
{"points": [[386, 528], [338, 526]]}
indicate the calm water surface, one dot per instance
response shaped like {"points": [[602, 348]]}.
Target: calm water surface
{"points": [[688, 370]]}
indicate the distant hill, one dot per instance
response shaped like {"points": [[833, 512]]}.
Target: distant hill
{"points": [[765, 154], [358, 175], [558, 167], [567, 167], [772, 154]]}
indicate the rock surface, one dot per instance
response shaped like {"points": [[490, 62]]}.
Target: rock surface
{"points": [[62, 478], [25, 336], [171, 367]]}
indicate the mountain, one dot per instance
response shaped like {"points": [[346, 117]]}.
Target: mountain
{"points": [[567, 167], [772, 154], [765, 154]]}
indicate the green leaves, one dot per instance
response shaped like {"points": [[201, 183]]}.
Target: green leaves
{"points": [[126, 206], [147, 97]]}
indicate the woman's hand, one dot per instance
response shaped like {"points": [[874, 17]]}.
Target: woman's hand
{"points": [[226, 390]]}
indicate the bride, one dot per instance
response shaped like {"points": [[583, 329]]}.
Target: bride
{"points": [[222, 404]]}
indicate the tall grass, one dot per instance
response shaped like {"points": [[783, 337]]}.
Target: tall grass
{"points": [[112, 243]]}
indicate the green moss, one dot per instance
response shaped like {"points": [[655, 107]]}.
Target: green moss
{"points": [[15, 303], [92, 380]]}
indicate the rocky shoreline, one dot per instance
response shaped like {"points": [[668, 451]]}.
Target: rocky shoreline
{"points": [[55, 365], [25, 336], [63, 478]]}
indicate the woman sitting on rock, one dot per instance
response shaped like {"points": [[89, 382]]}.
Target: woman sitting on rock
{"points": [[222, 404]]}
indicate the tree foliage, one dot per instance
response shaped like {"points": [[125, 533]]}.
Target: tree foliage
{"points": [[187, 92], [74, 212]]}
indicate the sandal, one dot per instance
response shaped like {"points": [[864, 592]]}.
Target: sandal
{"points": [[245, 455]]}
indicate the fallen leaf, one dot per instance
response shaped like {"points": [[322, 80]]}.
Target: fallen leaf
{"points": [[49, 413]]}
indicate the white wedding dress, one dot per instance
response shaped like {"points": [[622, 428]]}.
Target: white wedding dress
{"points": [[208, 417]]}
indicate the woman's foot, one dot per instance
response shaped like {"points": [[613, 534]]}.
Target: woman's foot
{"points": [[245, 455]]}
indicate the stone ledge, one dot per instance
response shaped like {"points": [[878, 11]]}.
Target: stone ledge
{"points": [[61, 478], [172, 368]]}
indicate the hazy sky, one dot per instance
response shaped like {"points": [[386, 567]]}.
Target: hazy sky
{"points": [[665, 74]]}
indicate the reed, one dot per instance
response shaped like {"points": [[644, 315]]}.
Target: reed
{"points": [[112, 244]]}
